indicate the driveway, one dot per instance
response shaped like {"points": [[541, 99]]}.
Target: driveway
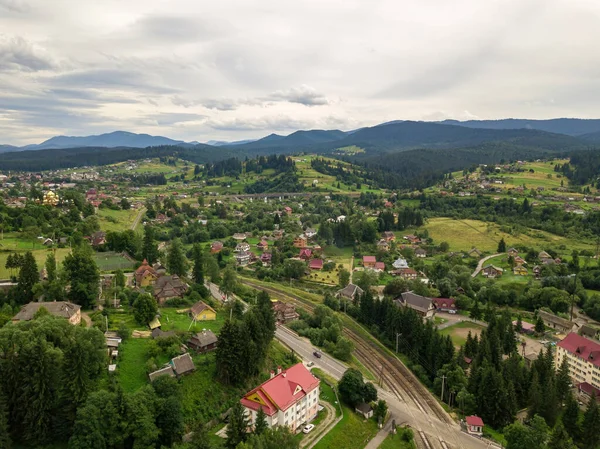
{"points": [[481, 262]]}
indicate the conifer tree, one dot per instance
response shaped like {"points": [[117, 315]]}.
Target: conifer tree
{"points": [[5, 441], [570, 416], [238, 425], [261, 422], [502, 246], [198, 270], [563, 380], [28, 277], [51, 267], [176, 261], [149, 248], [560, 439], [591, 423]]}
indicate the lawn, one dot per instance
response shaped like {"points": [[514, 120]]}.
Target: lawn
{"points": [[116, 220], [39, 256], [466, 234], [459, 332], [396, 442], [352, 431], [111, 261], [171, 320], [131, 366]]}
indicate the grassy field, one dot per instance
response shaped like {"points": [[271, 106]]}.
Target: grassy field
{"points": [[458, 332], [110, 261], [40, 258], [131, 366], [171, 320], [543, 176], [396, 442], [462, 235], [116, 220], [352, 431]]}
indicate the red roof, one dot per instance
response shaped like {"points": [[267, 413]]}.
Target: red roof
{"points": [[588, 389], [583, 348], [316, 263], [305, 252], [283, 390], [474, 421], [444, 302], [369, 259], [379, 266]]}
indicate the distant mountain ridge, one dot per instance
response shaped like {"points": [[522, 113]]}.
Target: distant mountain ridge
{"points": [[109, 140], [568, 126]]}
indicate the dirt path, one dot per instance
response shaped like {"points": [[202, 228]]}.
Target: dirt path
{"points": [[85, 317], [324, 427], [138, 218], [481, 262]]}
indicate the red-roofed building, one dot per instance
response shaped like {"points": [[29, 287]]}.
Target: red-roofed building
{"points": [[288, 210], [474, 425], [406, 273], [316, 264], [305, 254], [380, 266], [583, 356], [445, 304], [369, 261], [290, 398]]}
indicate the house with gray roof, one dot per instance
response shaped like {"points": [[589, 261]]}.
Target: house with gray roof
{"points": [[62, 309], [182, 364], [350, 292], [421, 304], [203, 341]]}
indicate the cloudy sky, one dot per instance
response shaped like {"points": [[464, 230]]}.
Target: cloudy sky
{"points": [[227, 70]]}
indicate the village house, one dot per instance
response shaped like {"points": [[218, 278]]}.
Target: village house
{"points": [[445, 305], [216, 247], [350, 292], [97, 238], [537, 271], [61, 309], [204, 341], [420, 252], [520, 270], [316, 264], [544, 255], [158, 333], [400, 263], [145, 275], [305, 254], [287, 210], [239, 236], [383, 245], [278, 234], [491, 271], [159, 268], [369, 261], [512, 252], [526, 328], [182, 365], [285, 312], [420, 304], [474, 253], [310, 232], [589, 332], [241, 247], [389, 236], [289, 398], [243, 258], [263, 245], [519, 260], [265, 258], [165, 371], [405, 273], [300, 241], [555, 322], [364, 409], [379, 267], [169, 287], [202, 312], [413, 239], [474, 425]]}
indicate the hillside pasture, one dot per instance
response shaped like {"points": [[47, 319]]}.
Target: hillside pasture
{"points": [[459, 332]]}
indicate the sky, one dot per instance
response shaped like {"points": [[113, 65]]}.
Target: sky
{"points": [[202, 70]]}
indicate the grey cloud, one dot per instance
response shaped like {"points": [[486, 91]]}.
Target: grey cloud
{"points": [[131, 80], [177, 28], [172, 118], [277, 123], [18, 54], [14, 6], [303, 94]]}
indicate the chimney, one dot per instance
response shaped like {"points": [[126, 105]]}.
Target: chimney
{"points": [[203, 331], [272, 374], [279, 370], [284, 373]]}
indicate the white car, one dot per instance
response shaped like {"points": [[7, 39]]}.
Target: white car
{"points": [[308, 428], [311, 363]]}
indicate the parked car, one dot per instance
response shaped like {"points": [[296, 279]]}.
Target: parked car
{"points": [[317, 354], [311, 363], [308, 428]]}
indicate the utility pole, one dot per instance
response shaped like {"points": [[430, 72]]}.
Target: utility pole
{"points": [[397, 335], [443, 380]]}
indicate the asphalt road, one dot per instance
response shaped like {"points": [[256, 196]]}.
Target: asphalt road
{"points": [[402, 412]]}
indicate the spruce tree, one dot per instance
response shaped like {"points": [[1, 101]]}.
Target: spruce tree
{"points": [[149, 248], [198, 270], [28, 277], [591, 423], [51, 267], [176, 261], [238, 425], [261, 422], [570, 416], [5, 442], [502, 246], [563, 380], [82, 274], [560, 439]]}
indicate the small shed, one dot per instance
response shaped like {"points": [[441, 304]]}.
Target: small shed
{"points": [[182, 364], [203, 341], [365, 410], [474, 425], [166, 371]]}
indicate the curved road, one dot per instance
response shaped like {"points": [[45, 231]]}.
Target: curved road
{"points": [[481, 262]]}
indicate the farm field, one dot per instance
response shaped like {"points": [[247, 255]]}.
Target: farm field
{"points": [[116, 220], [40, 258], [340, 256], [462, 235], [543, 176], [110, 261], [458, 332]]}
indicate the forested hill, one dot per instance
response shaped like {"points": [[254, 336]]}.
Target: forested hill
{"points": [[568, 126]]}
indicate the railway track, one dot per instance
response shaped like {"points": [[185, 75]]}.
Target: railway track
{"points": [[390, 370]]}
